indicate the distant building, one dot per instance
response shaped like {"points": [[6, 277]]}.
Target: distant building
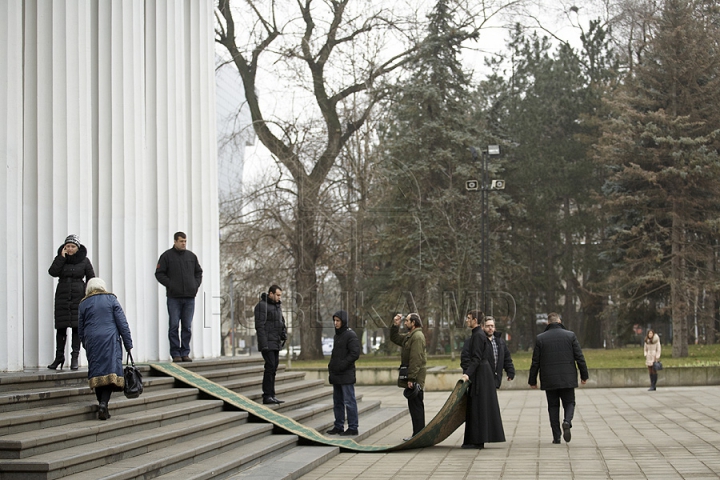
{"points": [[234, 129]]}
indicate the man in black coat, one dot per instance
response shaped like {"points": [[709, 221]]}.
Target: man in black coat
{"points": [[271, 336], [556, 352], [501, 353], [346, 350], [179, 271]]}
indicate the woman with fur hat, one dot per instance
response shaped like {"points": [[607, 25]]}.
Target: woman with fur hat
{"points": [[652, 354], [72, 269]]}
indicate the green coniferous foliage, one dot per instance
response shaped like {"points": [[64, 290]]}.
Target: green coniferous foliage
{"points": [[548, 231], [426, 221], [661, 148]]}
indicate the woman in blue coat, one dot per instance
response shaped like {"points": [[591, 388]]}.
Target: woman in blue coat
{"points": [[102, 326]]}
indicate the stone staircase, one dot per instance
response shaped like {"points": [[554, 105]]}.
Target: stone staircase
{"points": [[49, 427]]}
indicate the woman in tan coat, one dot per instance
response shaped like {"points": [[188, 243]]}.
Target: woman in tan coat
{"points": [[652, 354]]}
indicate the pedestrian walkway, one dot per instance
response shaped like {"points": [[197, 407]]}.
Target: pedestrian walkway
{"points": [[618, 433]]}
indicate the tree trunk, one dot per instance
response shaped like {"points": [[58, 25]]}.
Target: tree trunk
{"points": [[679, 306], [306, 285], [710, 300]]}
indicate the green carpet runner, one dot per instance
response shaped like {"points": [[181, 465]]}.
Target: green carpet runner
{"points": [[447, 420]]}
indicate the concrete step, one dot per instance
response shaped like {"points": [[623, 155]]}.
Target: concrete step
{"points": [[85, 408], [371, 422], [303, 459], [228, 463], [209, 453], [32, 396], [35, 442], [255, 383], [208, 364], [292, 464], [294, 394], [80, 458], [317, 415]]}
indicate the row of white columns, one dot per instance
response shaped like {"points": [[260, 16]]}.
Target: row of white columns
{"points": [[107, 124]]}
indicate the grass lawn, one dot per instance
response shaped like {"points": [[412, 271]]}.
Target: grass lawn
{"points": [[699, 356]]}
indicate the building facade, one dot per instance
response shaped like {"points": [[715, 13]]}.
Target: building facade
{"points": [[107, 127]]}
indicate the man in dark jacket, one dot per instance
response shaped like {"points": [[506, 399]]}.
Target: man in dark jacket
{"points": [[556, 352], [346, 350], [501, 354], [179, 271], [271, 336]]}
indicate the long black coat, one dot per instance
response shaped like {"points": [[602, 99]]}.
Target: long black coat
{"points": [[73, 272], [346, 350], [556, 352], [269, 324], [483, 422], [103, 330], [504, 360]]}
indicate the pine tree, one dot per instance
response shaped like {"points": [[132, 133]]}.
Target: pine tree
{"points": [[661, 148], [427, 223]]}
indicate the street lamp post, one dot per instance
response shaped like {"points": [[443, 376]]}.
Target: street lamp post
{"points": [[486, 186]]}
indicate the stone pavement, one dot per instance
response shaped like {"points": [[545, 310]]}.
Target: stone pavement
{"points": [[618, 433]]}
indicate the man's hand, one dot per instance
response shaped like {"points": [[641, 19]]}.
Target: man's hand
{"points": [[533, 386], [510, 379], [397, 318], [410, 384], [465, 378], [583, 381]]}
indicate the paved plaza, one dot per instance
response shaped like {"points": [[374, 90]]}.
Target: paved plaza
{"points": [[618, 433]]}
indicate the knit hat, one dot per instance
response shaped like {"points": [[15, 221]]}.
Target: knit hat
{"points": [[72, 238]]}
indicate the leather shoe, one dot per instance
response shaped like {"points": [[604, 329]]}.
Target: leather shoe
{"points": [[556, 441], [473, 446], [269, 401], [335, 431], [567, 435], [186, 359], [274, 399], [103, 413], [177, 359], [350, 432]]}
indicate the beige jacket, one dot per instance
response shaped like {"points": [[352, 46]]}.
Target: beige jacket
{"points": [[652, 351]]}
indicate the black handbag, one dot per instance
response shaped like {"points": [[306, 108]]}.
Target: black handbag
{"points": [[657, 366], [133, 379], [403, 373]]}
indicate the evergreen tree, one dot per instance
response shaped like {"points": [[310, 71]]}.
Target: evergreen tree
{"points": [[543, 109], [661, 149], [427, 223]]}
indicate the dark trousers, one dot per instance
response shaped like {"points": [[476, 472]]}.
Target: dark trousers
{"points": [[416, 406], [272, 360], [344, 399], [61, 338], [567, 396], [181, 312], [103, 394]]}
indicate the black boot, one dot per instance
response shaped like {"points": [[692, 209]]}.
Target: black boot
{"points": [[74, 360], [75, 349], [59, 361], [653, 381], [60, 338]]}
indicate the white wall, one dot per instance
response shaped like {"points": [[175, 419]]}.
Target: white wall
{"points": [[107, 122]]}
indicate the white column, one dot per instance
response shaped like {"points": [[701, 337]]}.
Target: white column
{"points": [[115, 142], [11, 148], [202, 137], [120, 201], [182, 152], [57, 188]]}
